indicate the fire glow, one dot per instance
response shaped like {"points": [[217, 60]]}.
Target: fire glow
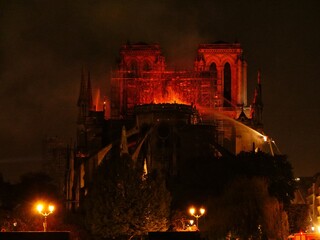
{"points": [[170, 97]]}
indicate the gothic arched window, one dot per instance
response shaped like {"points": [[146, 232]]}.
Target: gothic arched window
{"points": [[133, 66], [146, 66], [227, 82], [213, 71]]}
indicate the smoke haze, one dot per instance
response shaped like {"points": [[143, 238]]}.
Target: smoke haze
{"points": [[44, 45]]}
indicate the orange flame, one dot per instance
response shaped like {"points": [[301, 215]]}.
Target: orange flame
{"points": [[170, 97]]}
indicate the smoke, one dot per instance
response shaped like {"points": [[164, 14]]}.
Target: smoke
{"points": [[44, 44]]}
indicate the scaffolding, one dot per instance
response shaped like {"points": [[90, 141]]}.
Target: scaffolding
{"points": [[129, 89]]}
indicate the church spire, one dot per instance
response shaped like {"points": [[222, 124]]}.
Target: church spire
{"points": [[83, 86], [89, 92], [257, 105], [85, 97]]}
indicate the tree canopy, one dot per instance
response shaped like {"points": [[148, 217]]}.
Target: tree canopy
{"points": [[120, 203], [17, 203], [246, 210], [243, 193], [210, 176]]}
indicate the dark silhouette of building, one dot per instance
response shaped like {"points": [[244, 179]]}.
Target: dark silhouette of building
{"points": [[164, 118]]}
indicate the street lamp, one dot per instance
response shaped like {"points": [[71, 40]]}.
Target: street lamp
{"points": [[197, 215], [41, 211]]}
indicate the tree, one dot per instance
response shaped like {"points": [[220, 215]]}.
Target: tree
{"points": [[6, 194], [36, 185], [246, 210], [120, 203], [209, 176], [299, 218], [276, 169]]}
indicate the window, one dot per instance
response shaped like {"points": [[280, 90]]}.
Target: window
{"points": [[146, 66]]}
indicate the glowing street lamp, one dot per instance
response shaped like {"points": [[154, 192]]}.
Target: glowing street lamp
{"points": [[40, 209], [196, 214]]}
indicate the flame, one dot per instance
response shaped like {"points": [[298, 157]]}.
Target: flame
{"points": [[99, 104], [170, 96], [97, 100]]}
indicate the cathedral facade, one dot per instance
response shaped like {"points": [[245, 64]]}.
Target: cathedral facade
{"points": [[164, 118], [218, 81]]}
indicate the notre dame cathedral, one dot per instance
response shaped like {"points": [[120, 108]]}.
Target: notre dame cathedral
{"points": [[163, 117]]}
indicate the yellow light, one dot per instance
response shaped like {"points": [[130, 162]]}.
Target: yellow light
{"points": [[191, 222], [192, 211], [202, 211], [45, 214], [39, 207], [51, 208], [318, 229]]}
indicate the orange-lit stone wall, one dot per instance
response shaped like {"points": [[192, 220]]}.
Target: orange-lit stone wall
{"points": [[218, 81]]}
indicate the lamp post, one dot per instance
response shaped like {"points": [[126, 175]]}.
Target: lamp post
{"points": [[40, 208], [200, 213]]}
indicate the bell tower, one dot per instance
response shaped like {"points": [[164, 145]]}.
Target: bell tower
{"points": [[140, 66], [228, 70]]}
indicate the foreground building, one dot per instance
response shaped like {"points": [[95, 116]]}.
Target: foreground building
{"points": [[165, 118]]}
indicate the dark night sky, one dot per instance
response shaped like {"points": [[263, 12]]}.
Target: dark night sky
{"points": [[44, 45]]}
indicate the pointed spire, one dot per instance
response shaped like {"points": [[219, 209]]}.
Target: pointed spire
{"points": [[124, 144], [83, 86], [82, 100], [89, 93], [257, 105], [85, 102]]}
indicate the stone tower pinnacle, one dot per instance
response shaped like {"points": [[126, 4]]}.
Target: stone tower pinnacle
{"points": [[257, 105], [85, 97]]}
